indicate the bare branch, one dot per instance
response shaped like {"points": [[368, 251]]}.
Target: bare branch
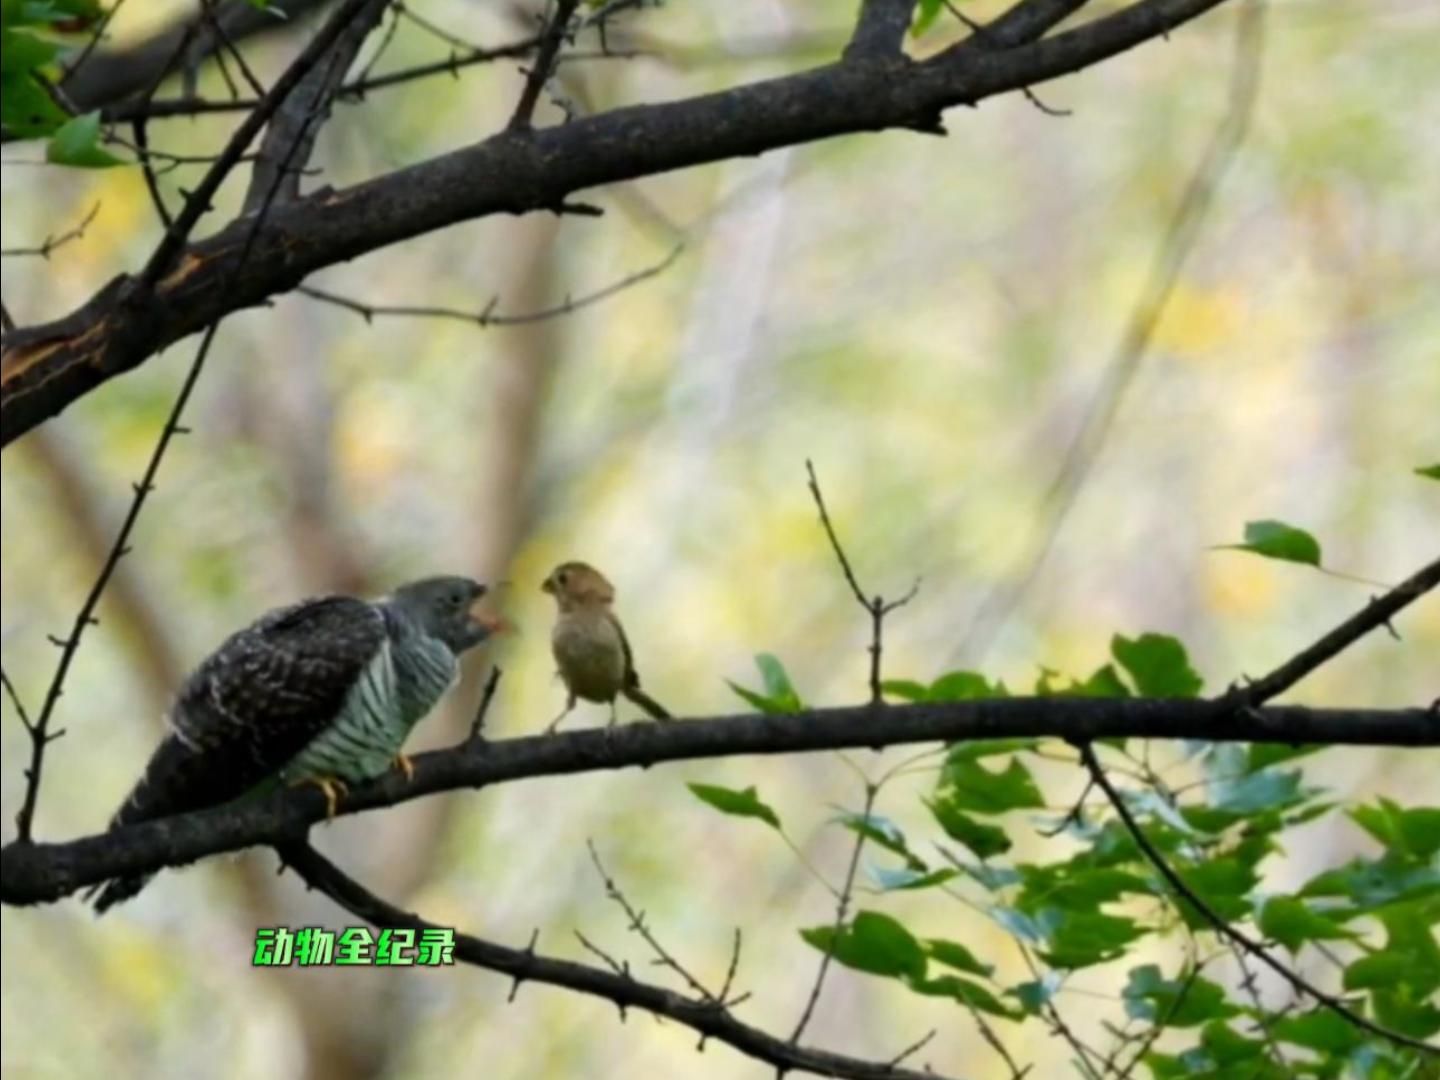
{"points": [[40, 735], [1377, 613], [637, 924], [710, 1018], [539, 74], [487, 316], [876, 607], [52, 242], [842, 908], [291, 133]]}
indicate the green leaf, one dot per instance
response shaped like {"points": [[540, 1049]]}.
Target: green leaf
{"points": [[1080, 938], [967, 993], [984, 840], [1431, 472], [779, 696], [1277, 540], [884, 832], [26, 110], [1182, 1002], [1292, 923], [1372, 882], [1410, 959], [905, 689], [1223, 885], [1157, 664], [1071, 939], [1034, 996], [1399, 1009], [1073, 886], [962, 686], [909, 878], [971, 786], [926, 11], [1269, 789], [1414, 831], [75, 144], [1319, 1029], [954, 955], [975, 749], [874, 943], [736, 803], [1262, 755], [1105, 683]]}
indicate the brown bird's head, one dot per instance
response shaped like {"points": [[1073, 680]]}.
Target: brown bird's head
{"points": [[578, 584]]}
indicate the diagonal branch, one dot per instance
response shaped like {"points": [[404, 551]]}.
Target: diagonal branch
{"points": [[1222, 926], [539, 74], [198, 202], [1378, 612], [708, 1016], [45, 368], [292, 130]]}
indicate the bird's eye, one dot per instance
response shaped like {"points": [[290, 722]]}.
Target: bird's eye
{"points": [[457, 599], [560, 578]]}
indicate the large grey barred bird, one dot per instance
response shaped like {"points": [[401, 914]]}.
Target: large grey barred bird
{"points": [[322, 691]]}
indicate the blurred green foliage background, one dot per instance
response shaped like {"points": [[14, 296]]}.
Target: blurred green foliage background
{"points": [[925, 318]]}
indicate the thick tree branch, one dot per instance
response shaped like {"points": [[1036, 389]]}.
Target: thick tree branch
{"points": [[45, 368], [711, 1018], [880, 30], [41, 872], [290, 136]]}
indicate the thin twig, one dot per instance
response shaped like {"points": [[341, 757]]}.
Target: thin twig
{"points": [[616, 985], [1378, 612], [477, 725], [487, 315], [40, 735], [50, 243], [876, 607], [637, 924], [535, 79], [1184, 892], [15, 700], [842, 908]]}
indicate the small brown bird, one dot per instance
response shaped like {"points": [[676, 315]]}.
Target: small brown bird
{"points": [[590, 644]]}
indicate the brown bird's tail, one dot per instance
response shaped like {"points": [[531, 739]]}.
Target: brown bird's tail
{"points": [[646, 702]]}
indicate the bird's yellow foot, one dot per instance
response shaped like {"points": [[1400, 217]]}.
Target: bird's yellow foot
{"points": [[332, 786], [405, 765]]}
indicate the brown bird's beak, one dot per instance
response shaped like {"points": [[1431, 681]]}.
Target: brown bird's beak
{"points": [[548, 586]]}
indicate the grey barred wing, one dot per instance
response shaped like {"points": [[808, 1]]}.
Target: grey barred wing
{"points": [[255, 702]]}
